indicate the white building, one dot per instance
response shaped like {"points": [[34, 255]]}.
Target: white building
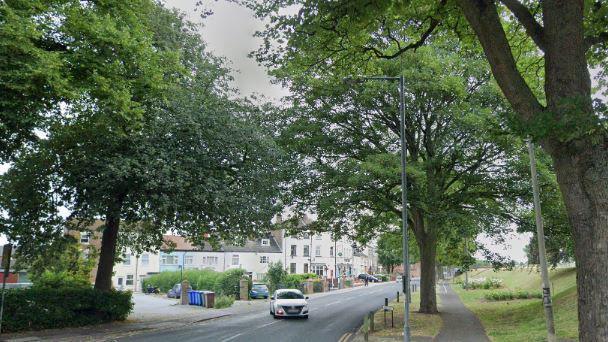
{"points": [[129, 273]]}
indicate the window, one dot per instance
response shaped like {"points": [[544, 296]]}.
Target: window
{"points": [[317, 269], [85, 237], [318, 251], [210, 260], [235, 260], [145, 259], [306, 251], [294, 248], [188, 259], [126, 259], [119, 281], [129, 280], [168, 260], [263, 259], [292, 267], [305, 268], [331, 251], [265, 242], [318, 237]]}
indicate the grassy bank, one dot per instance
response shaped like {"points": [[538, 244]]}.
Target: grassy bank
{"points": [[523, 319], [420, 324]]}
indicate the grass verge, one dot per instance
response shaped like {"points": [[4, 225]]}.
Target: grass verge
{"points": [[524, 320], [420, 324]]}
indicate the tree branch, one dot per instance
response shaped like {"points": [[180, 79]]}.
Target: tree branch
{"points": [[523, 15], [483, 17]]}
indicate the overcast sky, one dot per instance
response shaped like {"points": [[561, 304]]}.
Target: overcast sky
{"points": [[229, 33]]}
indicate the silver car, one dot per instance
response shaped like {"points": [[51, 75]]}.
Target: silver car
{"points": [[288, 303]]}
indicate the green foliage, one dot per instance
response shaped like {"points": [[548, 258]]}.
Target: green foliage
{"points": [[44, 308], [275, 275], [151, 134], [483, 283], [63, 279], [228, 282], [222, 283], [510, 295], [61, 264], [317, 286], [222, 301]]}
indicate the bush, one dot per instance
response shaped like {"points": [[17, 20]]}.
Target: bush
{"points": [[483, 283], [223, 302], [42, 308], [62, 279], [348, 283], [228, 282], [275, 275], [509, 295]]}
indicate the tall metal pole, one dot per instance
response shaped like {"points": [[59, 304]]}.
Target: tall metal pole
{"points": [[466, 273], [540, 236], [406, 263]]}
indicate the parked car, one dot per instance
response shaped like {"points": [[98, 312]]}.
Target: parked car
{"points": [[259, 291], [289, 303], [369, 277], [175, 292], [399, 278]]}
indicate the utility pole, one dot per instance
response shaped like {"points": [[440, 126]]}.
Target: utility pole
{"points": [[466, 273], [540, 236], [406, 263]]}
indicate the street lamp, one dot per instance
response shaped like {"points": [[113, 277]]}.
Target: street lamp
{"points": [[406, 268]]}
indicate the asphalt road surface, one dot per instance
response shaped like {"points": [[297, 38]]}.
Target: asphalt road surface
{"points": [[332, 317]]}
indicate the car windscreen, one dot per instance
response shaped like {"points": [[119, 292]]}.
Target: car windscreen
{"points": [[290, 295], [259, 287]]}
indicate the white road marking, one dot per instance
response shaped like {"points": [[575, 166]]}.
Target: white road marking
{"points": [[232, 338], [332, 303], [267, 324]]}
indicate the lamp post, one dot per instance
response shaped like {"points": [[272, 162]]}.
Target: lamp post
{"points": [[406, 268], [540, 236]]}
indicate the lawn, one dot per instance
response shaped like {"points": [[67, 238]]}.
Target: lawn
{"points": [[420, 324], [519, 320]]}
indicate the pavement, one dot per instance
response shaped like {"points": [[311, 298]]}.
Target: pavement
{"points": [[334, 315], [459, 323]]}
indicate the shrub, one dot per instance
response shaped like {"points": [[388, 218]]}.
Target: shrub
{"points": [[275, 275], [483, 283], [348, 283], [509, 295], [61, 279], [228, 282], [223, 302], [41, 308]]}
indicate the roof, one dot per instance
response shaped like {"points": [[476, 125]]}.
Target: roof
{"points": [[254, 246]]}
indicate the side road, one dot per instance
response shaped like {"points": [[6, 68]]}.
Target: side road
{"points": [[150, 313]]}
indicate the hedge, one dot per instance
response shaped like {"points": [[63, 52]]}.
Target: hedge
{"points": [[509, 295], [223, 283], [43, 308]]}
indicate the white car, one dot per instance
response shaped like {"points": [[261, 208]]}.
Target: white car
{"points": [[288, 303], [399, 278]]}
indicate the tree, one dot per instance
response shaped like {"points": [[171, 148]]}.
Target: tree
{"points": [[192, 162], [459, 166], [390, 250], [541, 68]]}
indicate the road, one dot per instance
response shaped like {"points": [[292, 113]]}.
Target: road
{"points": [[332, 317]]}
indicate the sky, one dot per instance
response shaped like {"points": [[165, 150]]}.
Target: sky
{"points": [[228, 32]]}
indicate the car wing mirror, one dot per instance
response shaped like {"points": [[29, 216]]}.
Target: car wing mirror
{"points": [[272, 297], [305, 297]]}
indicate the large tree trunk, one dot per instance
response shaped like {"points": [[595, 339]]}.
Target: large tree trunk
{"points": [[578, 146], [582, 163], [583, 179], [427, 243], [428, 295], [103, 280]]}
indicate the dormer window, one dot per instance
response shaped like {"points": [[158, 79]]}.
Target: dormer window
{"points": [[265, 242]]}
